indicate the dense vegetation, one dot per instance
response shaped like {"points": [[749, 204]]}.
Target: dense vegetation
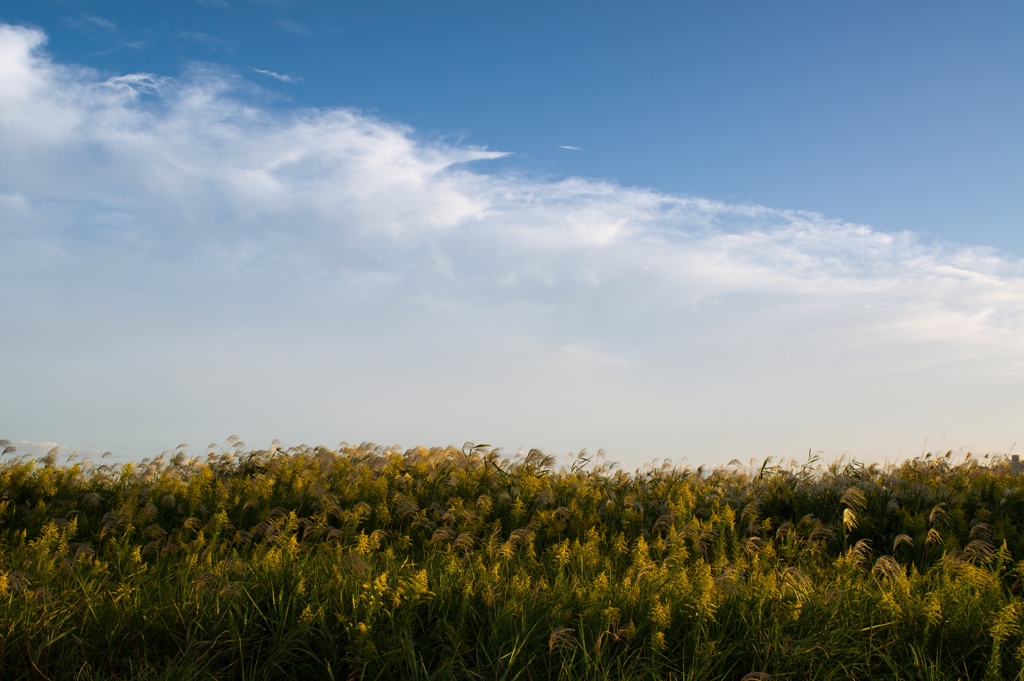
{"points": [[371, 562]]}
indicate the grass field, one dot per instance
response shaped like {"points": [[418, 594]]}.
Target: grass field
{"points": [[370, 562]]}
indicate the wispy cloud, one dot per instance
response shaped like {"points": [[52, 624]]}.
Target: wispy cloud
{"points": [[108, 34], [99, 22], [290, 26], [180, 257], [570, 148], [210, 42], [284, 78]]}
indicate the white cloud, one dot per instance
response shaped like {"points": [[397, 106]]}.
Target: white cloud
{"points": [[284, 78], [184, 262]]}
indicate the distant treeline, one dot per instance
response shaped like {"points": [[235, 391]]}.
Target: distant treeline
{"points": [[371, 562]]}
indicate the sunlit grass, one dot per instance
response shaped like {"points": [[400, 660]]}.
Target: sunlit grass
{"points": [[444, 563]]}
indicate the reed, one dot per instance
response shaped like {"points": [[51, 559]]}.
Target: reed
{"points": [[374, 562]]}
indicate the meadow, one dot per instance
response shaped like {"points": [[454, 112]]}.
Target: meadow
{"points": [[382, 563]]}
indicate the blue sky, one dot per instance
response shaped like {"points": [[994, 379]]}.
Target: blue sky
{"points": [[701, 231], [901, 116]]}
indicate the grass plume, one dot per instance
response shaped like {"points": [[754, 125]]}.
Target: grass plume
{"points": [[374, 562]]}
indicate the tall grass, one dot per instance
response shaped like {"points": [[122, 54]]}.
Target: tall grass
{"points": [[371, 562]]}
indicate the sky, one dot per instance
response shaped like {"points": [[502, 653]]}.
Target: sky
{"points": [[668, 231]]}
